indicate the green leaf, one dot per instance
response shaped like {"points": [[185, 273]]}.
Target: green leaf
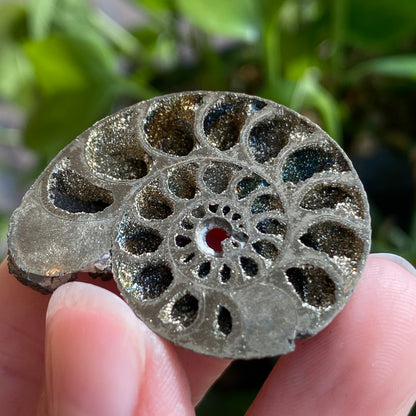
{"points": [[119, 36], [400, 66], [156, 4], [70, 62], [74, 15], [96, 56], [236, 19], [380, 24], [12, 18], [310, 93], [16, 72], [55, 66], [58, 119], [270, 10], [41, 13]]}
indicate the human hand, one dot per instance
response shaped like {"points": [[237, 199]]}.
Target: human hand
{"points": [[94, 357]]}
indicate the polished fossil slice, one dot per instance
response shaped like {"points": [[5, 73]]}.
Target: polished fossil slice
{"points": [[231, 224]]}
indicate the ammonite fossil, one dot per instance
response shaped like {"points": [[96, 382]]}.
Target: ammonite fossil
{"points": [[231, 224]]}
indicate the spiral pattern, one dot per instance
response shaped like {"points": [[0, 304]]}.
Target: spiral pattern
{"points": [[232, 225]]}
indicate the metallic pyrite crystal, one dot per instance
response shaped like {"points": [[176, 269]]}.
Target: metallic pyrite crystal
{"points": [[231, 224]]}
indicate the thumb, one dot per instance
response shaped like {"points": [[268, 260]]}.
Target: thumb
{"points": [[94, 357]]}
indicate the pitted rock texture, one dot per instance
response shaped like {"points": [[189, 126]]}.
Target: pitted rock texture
{"points": [[231, 224]]}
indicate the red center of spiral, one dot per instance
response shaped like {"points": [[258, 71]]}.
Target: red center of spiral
{"points": [[215, 237]]}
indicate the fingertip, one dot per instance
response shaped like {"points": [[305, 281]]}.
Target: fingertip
{"points": [[394, 258], [94, 357], [363, 362], [102, 360], [80, 295]]}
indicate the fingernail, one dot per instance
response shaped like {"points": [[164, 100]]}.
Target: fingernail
{"points": [[398, 260], [94, 359]]}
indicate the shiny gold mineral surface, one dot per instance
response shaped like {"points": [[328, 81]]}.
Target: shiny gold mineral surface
{"points": [[231, 224]]}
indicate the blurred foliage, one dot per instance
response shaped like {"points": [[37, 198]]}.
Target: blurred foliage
{"points": [[67, 63], [349, 65]]}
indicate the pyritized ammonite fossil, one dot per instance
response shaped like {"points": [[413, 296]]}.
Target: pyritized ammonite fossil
{"points": [[231, 224]]}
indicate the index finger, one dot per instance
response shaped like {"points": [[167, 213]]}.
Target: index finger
{"points": [[22, 333]]}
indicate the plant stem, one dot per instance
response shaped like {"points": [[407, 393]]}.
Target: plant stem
{"points": [[272, 53], [339, 17]]}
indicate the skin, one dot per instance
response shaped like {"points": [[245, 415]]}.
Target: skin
{"points": [[82, 351]]}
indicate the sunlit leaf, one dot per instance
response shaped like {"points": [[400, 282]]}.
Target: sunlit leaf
{"points": [[41, 14], [309, 93], [237, 19], [16, 72], [74, 15], [156, 4], [82, 27], [116, 33], [55, 65], [403, 66], [65, 63], [95, 55]]}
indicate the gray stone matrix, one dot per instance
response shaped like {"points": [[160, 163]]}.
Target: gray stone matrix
{"points": [[231, 224]]}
